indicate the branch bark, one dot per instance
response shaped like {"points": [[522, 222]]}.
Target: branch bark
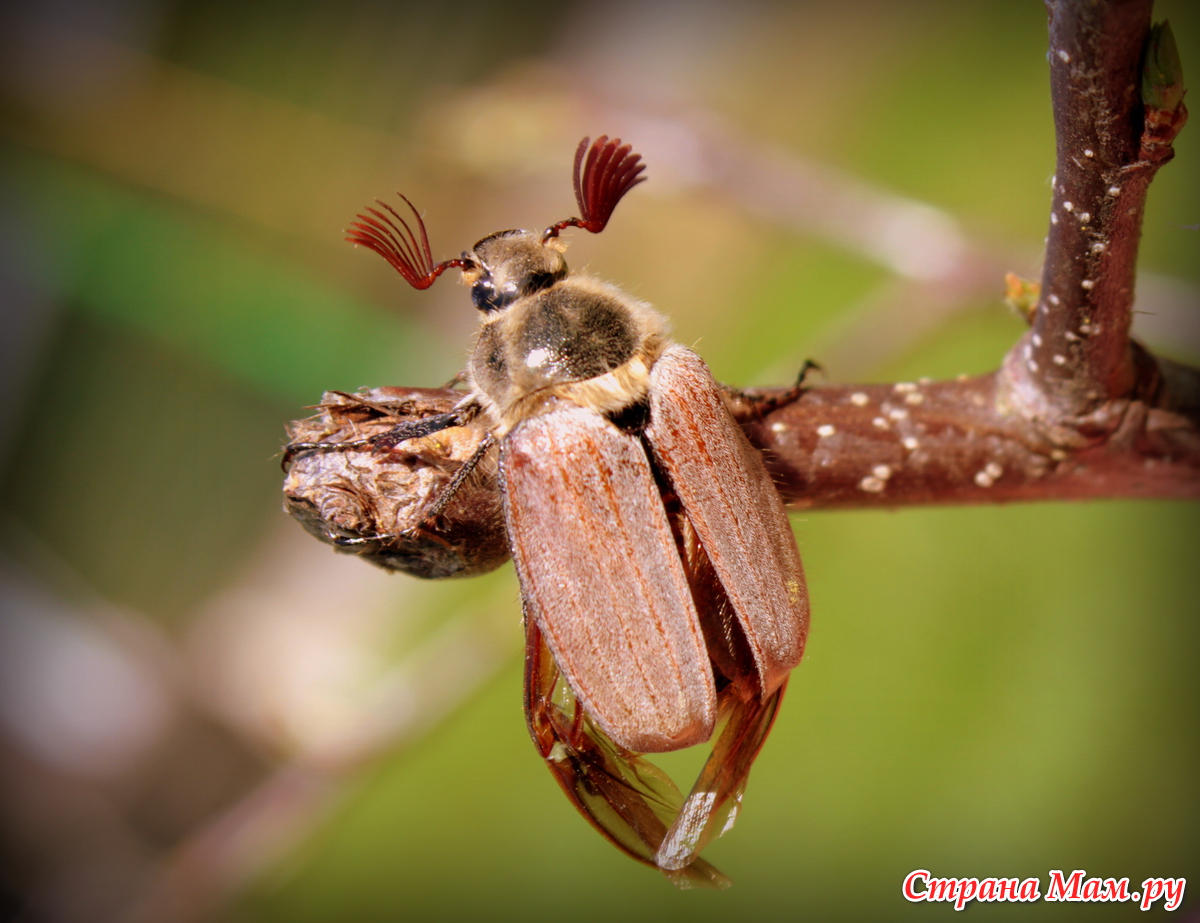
{"points": [[1077, 409], [958, 442], [1080, 353]]}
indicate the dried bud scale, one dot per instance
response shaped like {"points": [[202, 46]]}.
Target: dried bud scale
{"points": [[369, 500]]}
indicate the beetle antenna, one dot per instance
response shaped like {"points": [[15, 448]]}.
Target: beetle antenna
{"points": [[612, 169], [408, 256]]}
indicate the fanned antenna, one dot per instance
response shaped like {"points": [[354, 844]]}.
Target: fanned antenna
{"points": [[390, 236], [611, 170]]}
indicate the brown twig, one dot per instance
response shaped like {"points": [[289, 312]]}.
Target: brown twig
{"points": [[1078, 410], [1078, 357], [958, 442]]}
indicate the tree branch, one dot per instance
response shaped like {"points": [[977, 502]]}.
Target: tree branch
{"points": [[1080, 352], [1077, 410], [1078, 355], [958, 442]]}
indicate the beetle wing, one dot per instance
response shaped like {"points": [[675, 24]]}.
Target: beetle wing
{"points": [[601, 574], [729, 498], [715, 799], [629, 800]]}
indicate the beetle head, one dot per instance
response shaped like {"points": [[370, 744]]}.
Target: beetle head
{"points": [[509, 265]]}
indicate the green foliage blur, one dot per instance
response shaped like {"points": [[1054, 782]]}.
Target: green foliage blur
{"points": [[994, 691]]}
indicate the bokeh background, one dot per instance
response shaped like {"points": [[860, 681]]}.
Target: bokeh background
{"points": [[205, 714]]}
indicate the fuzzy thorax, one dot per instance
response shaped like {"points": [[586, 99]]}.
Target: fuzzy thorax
{"points": [[579, 340]]}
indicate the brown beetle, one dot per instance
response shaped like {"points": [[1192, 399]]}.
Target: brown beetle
{"points": [[659, 573]]}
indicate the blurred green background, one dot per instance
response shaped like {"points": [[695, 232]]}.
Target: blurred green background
{"points": [[206, 714]]}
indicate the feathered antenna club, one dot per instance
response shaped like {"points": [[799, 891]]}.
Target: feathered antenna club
{"points": [[390, 236], [611, 170]]}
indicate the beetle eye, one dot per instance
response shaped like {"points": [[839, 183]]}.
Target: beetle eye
{"points": [[488, 298]]}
